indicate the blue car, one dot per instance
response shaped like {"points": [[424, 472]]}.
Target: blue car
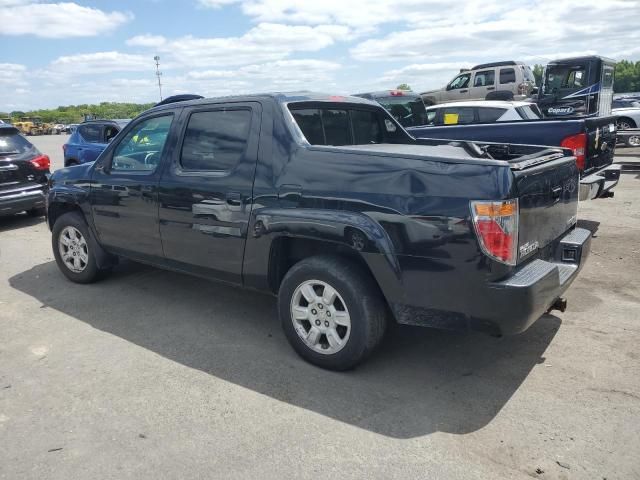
{"points": [[89, 139]]}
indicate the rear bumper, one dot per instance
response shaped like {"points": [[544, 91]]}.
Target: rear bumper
{"points": [[526, 295], [17, 201], [600, 184], [508, 306]]}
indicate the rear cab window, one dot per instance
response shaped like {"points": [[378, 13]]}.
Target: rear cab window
{"points": [[333, 126]]}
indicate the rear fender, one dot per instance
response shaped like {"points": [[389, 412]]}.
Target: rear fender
{"points": [[353, 230]]}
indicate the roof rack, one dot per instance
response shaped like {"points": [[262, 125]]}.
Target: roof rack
{"points": [[179, 98], [496, 64]]}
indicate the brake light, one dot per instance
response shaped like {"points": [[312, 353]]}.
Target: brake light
{"points": [[41, 162], [578, 145], [496, 225], [397, 93]]}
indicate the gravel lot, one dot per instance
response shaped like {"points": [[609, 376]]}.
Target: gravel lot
{"points": [[152, 375]]}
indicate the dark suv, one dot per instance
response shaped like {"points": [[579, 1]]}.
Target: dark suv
{"points": [[23, 174], [89, 140]]}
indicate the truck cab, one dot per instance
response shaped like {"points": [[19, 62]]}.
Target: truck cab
{"points": [[578, 86]]}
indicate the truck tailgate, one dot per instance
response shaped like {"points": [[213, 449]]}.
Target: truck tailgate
{"points": [[601, 142], [548, 201]]}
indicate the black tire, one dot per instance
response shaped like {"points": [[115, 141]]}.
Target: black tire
{"points": [[37, 212], [624, 123], [91, 271], [362, 298], [500, 95]]}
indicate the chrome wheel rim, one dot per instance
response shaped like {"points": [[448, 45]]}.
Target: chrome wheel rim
{"points": [[320, 317], [634, 141], [73, 248]]}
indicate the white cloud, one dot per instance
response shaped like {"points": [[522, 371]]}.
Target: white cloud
{"points": [[100, 62], [12, 74], [215, 3], [57, 20], [264, 42], [146, 40]]}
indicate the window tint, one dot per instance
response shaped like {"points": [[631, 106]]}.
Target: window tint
{"points": [[91, 133], [461, 81], [110, 132], [529, 112], [431, 116], [607, 77], [140, 150], [490, 115], [336, 127], [528, 74], [366, 127], [457, 115], [507, 75], [215, 140], [310, 124], [484, 78], [12, 143]]}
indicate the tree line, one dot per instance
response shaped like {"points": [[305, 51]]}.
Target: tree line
{"points": [[76, 113]]}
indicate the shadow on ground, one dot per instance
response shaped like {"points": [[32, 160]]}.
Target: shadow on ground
{"points": [[15, 222], [420, 381]]}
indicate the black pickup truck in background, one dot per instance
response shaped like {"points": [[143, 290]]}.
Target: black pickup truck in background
{"points": [[592, 141], [327, 203]]}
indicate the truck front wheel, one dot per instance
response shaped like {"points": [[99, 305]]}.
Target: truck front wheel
{"points": [[72, 249], [332, 312]]}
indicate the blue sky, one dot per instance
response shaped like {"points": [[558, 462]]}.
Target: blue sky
{"points": [[90, 51]]}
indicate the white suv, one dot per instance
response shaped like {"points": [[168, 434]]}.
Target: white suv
{"points": [[491, 81], [481, 111]]}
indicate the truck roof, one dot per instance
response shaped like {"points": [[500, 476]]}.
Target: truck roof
{"points": [[279, 97], [583, 58]]}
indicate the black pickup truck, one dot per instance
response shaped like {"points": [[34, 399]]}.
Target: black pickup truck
{"points": [[329, 204]]}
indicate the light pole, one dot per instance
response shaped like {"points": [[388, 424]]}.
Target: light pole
{"points": [[158, 74]]}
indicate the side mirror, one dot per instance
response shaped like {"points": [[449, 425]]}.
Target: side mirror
{"points": [[448, 87]]}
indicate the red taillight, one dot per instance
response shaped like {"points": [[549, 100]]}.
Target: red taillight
{"points": [[496, 224], [41, 162], [578, 145], [397, 93]]}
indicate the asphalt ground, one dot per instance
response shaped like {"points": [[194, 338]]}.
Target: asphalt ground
{"points": [[153, 375]]}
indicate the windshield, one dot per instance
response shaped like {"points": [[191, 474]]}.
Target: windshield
{"points": [[13, 144], [565, 76], [408, 110]]}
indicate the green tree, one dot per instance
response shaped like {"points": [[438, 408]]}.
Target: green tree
{"points": [[403, 86]]}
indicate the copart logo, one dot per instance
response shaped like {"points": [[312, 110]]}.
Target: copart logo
{"points": [[560, 110]]}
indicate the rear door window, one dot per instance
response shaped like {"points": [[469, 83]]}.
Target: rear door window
{"points": [[457, 115], [507, 75], [91, 133], [490, 115], [484, 78], [215, 140]]}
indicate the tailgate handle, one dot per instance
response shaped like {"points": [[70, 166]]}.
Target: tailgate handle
{"points": [[556, 192]]}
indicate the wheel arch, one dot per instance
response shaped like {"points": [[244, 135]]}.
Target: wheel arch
{"points": [[631, 121]]}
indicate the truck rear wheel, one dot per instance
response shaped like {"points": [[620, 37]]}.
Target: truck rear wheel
{"points": [[72, 249], [332, 312]]}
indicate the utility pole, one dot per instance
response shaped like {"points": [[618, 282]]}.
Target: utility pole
{"points": [[158, 74]]}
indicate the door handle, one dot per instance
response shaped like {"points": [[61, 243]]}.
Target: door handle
{"points": [[464, 91], [555, 193], [491, 88]]}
